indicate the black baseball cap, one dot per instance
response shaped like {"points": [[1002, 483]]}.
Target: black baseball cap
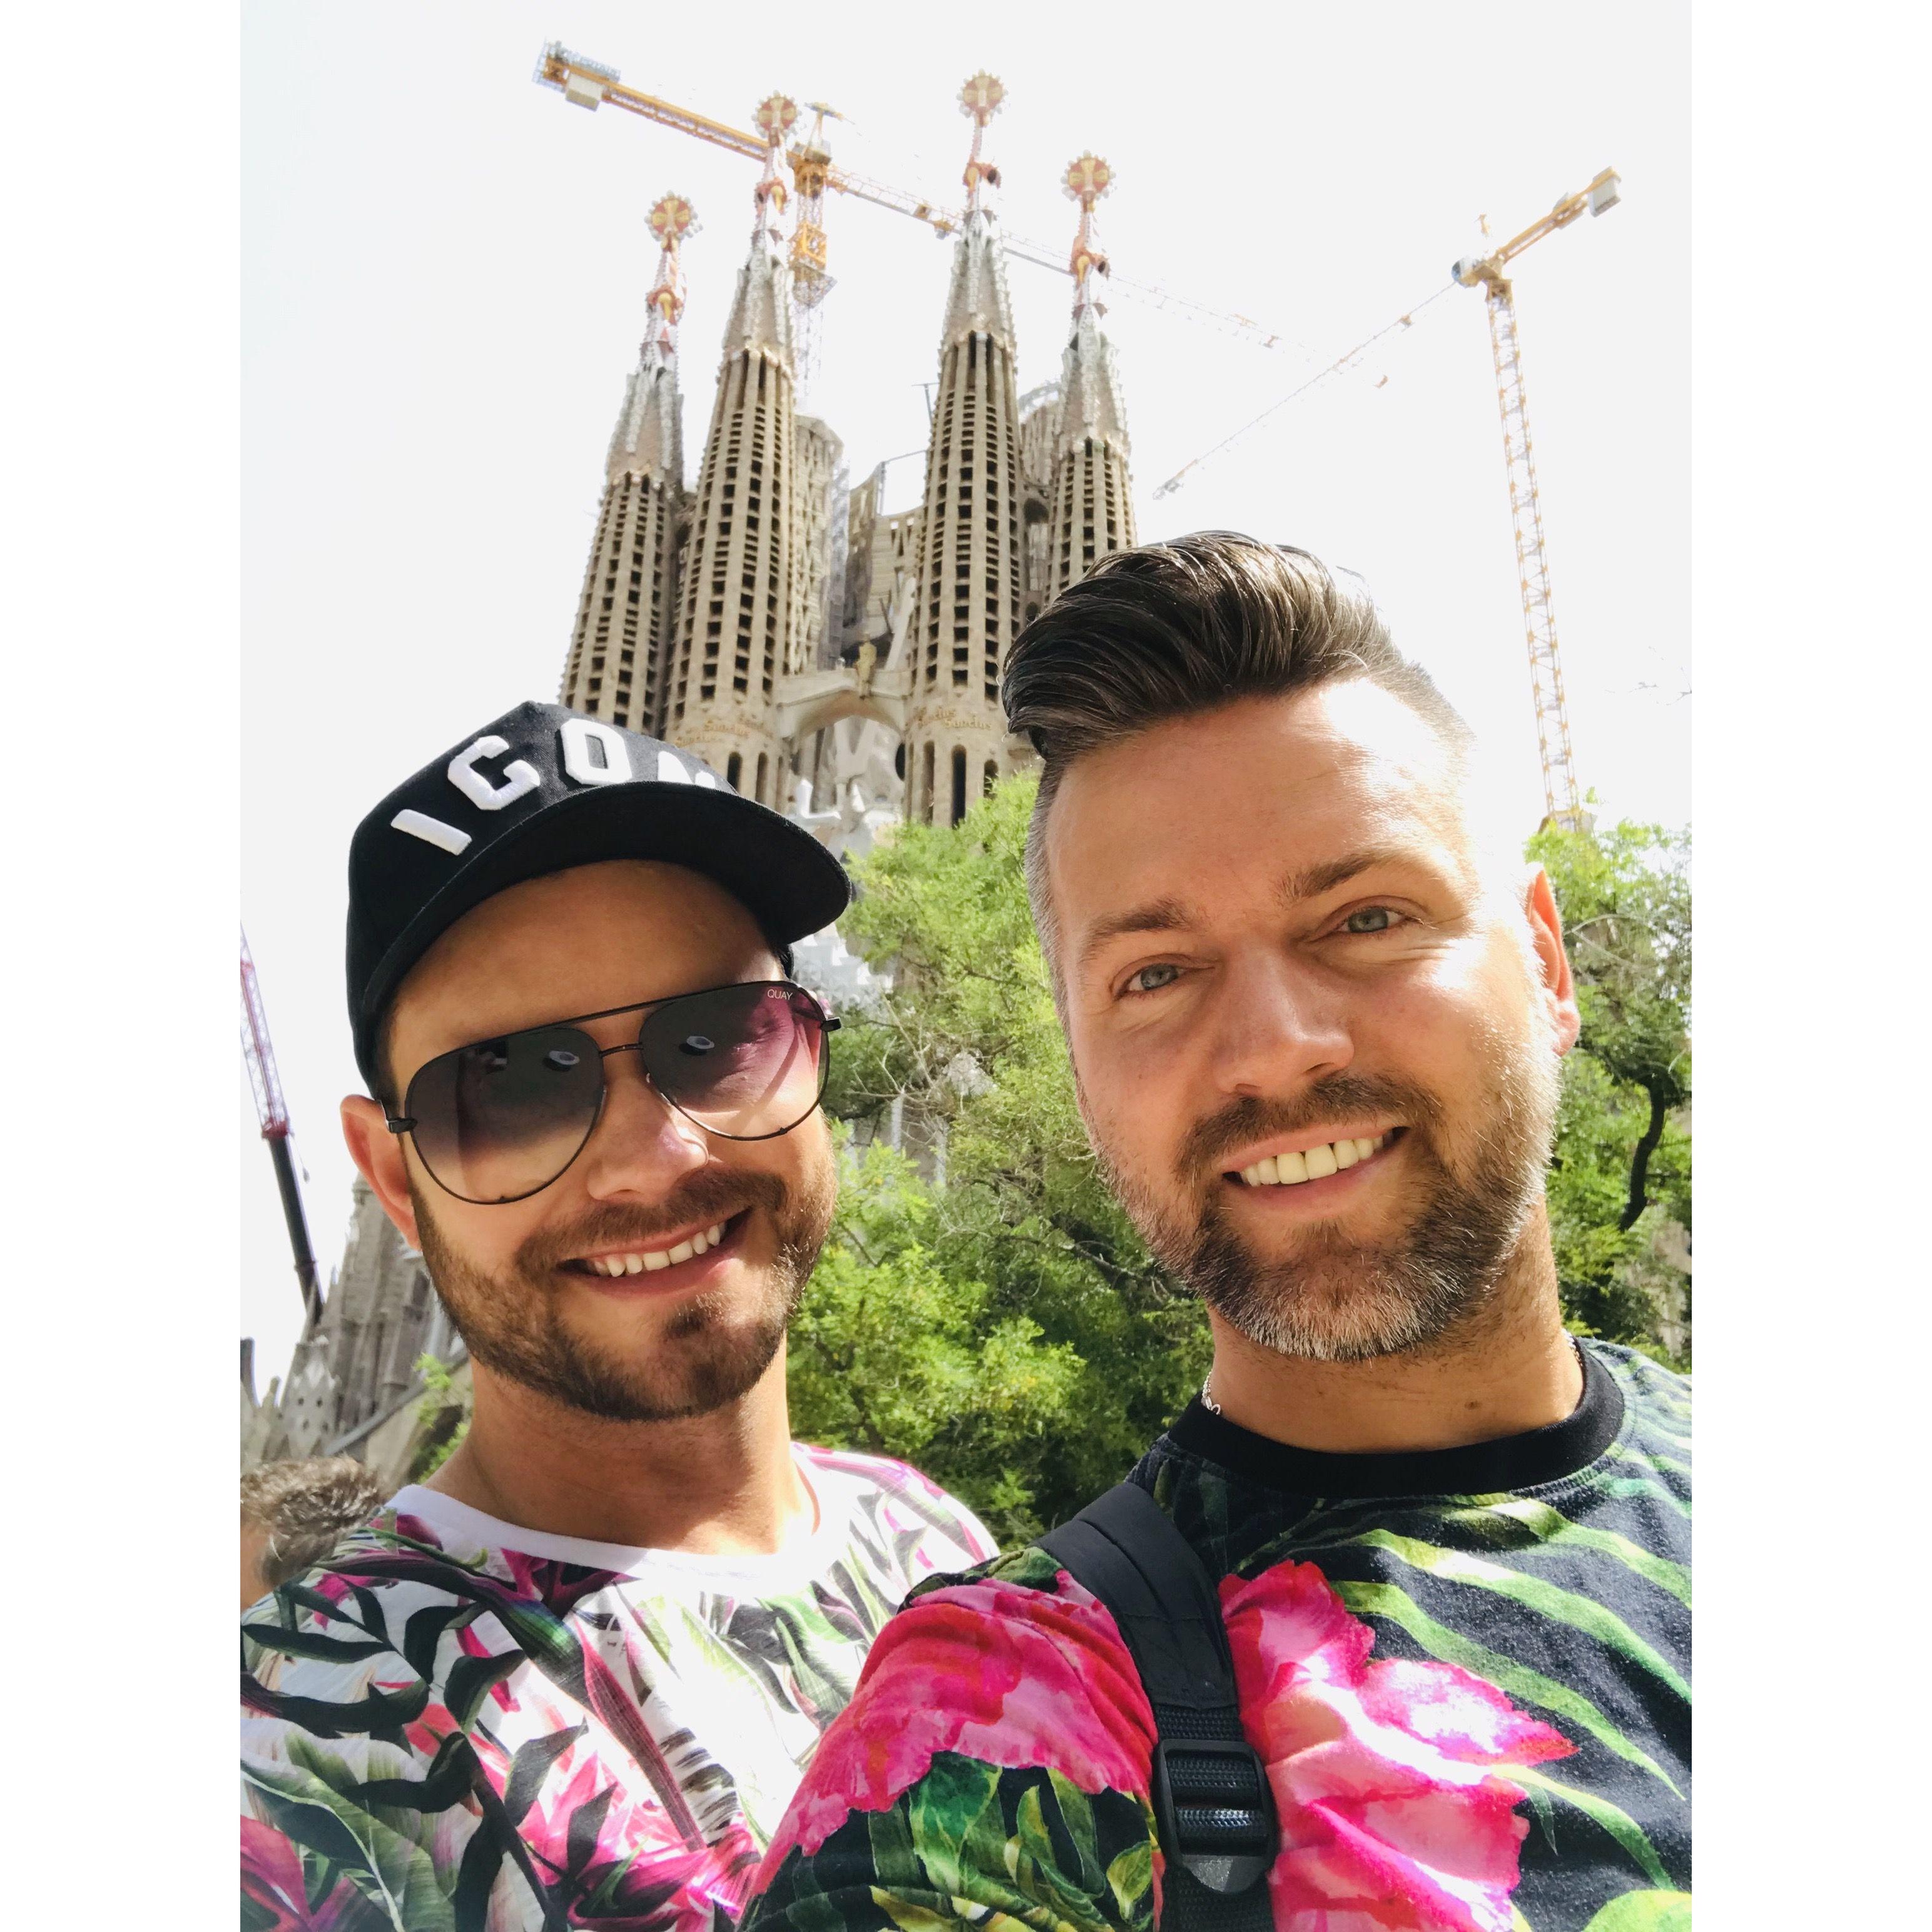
{"points": [[538, 790]]}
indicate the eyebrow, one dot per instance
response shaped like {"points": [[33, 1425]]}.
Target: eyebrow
{"points": [[1172, 915], [1317, 880]]}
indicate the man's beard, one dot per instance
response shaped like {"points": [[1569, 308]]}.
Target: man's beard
{"points": [[703, 1358], [1334, 1299]]}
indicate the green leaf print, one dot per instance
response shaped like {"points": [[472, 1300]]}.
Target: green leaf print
{"points": [[1621, 1826], [1533, 1593], [1522, 1523], [1645, 1912], [956, 1824], [1130, 1879], [374, 1852]]}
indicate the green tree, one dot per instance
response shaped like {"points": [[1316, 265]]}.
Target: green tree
{"points": [[1022, 1231], [443, 1419], [1621, 1174]]}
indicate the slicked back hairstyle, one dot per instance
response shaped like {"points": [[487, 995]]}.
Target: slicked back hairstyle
{"points": [[306, 1506], [1168, 630]]}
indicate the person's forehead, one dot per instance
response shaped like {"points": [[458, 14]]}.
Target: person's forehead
{"points": [[629, 929], [1273, 784]]}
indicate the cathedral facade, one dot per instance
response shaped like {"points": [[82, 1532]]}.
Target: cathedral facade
{"points": [[832, 659]]}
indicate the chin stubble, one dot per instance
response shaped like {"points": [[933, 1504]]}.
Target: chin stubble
{"points": [[702, 1360], [1335, 1300]]}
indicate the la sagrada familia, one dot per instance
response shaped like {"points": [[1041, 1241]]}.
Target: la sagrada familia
{"points": [[832, 659]]}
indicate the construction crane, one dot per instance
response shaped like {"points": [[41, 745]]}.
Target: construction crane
{"points": [[1563, 806], [272, 1112], [588, 83]]}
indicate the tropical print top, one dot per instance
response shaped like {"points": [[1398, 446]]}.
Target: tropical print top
{"points": [[456, 1726], [1466, 1672]]}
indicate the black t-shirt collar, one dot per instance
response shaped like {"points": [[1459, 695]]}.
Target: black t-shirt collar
{"points": [[1536, 1456]]}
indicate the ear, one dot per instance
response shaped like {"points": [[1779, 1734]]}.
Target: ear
{"points": [[382, 1160], [1546, 929]]}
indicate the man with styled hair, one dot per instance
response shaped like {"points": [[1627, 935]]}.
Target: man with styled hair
{"points": [[1390, 1628], [572, 1678]]}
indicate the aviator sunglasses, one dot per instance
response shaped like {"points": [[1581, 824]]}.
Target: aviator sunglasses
{"points": [[501, 1119]]}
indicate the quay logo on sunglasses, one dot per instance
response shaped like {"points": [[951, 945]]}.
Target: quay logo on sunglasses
{"points": [[500, 1120], [590, 753]]}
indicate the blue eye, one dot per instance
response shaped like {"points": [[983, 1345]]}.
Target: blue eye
{"points": [[1369, 919], [1160, 976]]}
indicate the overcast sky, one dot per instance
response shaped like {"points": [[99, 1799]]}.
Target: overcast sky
{"points": [[443, 282]]}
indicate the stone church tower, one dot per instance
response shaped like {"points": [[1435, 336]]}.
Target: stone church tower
{"points": [[620, 648], [1093, 502], [832, 656], [738, 589], [971, 571]]}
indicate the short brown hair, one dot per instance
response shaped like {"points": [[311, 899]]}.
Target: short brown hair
{"points": [[306, 1506], [1170, 629]]}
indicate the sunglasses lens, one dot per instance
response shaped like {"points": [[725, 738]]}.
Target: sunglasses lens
{"points": [[499, 1120], [746, 1062]]}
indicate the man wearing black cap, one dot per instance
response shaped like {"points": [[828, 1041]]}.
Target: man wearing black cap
{"points": [[574, 1677]]}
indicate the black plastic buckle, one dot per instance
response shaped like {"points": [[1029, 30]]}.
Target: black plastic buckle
{"points": [[1215, 1810]]}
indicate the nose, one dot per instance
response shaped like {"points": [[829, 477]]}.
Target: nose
{"points": [[1278, 1027], [642, 1146]]}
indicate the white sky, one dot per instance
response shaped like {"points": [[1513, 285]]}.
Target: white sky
{"points": [[443, 278]]}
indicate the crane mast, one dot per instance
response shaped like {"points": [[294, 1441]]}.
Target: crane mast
{"points": [[1562, 803], [272, 1112]]}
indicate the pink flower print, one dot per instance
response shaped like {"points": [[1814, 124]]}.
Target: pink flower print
{"points": [[1389, 1777], [272, 1878], [1006, 1676]]}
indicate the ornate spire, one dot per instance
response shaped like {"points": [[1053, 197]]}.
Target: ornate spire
{"points": [[649, 439], [977, 303], [1091, 405], [761, 310]]}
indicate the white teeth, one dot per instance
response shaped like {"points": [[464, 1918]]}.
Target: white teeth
{"points": [[1315, 1163], [637, 1264]]}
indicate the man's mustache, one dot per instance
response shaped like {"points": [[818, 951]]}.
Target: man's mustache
{"points": [[1340, 1098], [715, 1194]]}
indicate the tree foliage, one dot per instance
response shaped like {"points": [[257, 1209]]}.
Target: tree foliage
{"points": [[984, 1309], [1620, 1175]]}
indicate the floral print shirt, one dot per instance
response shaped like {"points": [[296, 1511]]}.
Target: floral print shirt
{"points": [[1466, 1672], [456, 1726]]}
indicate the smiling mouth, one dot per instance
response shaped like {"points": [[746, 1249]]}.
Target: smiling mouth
{"points": [[652, 1261], [1315, 1163]]}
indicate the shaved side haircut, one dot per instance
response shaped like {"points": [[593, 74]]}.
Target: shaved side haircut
{"points": [[1170, 630]]}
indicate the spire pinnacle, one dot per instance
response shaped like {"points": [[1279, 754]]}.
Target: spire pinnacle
{"points": [[761, 320], [671, 221], [979, 101], [776, 116], [1088, 177]]}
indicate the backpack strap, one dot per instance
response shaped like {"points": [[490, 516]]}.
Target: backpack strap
{"points": [[1213, 1806]]}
